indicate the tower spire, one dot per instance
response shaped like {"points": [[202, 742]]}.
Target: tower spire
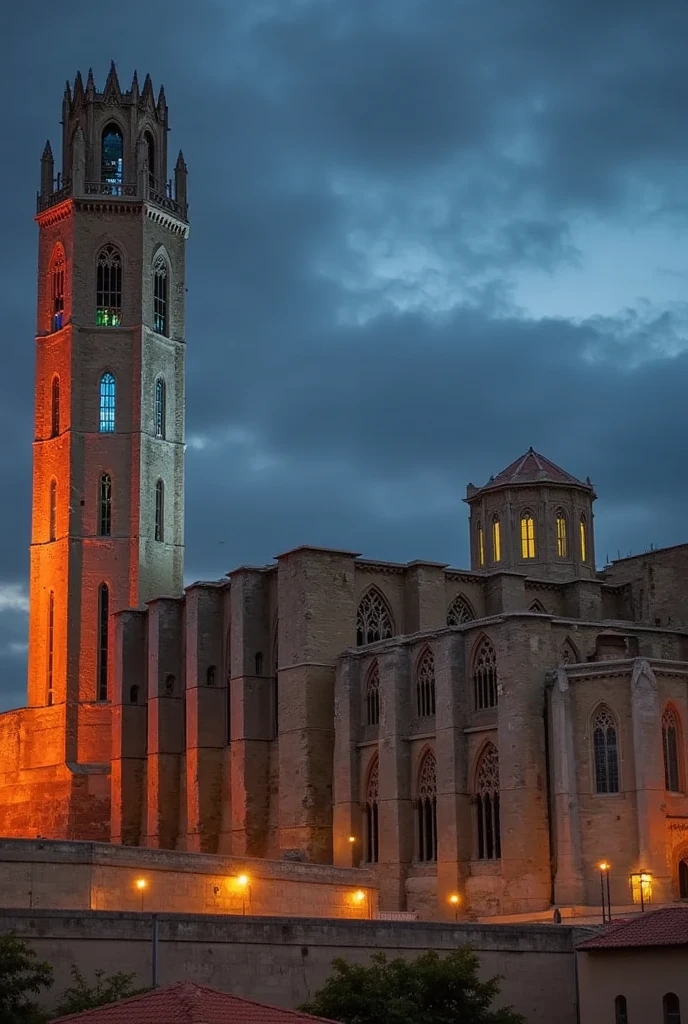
{"points": [[90, 85], [112, 89], [147, 94]]}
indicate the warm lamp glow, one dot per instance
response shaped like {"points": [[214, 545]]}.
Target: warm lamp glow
{"points": [[359, 896], [141, 883], [352, 839], [454, 899], [604, 866], [242, 880]]}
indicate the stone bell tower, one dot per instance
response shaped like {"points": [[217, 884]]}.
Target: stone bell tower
{"points": [[108, 455]]}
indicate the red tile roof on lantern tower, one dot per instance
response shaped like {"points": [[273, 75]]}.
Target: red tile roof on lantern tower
{"points": [[533, 468], [187, 1003]]}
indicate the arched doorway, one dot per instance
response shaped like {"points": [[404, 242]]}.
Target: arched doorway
{"points": [[683, 877]]}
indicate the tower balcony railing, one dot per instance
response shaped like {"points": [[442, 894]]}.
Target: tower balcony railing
{"points": [[157, 193]]}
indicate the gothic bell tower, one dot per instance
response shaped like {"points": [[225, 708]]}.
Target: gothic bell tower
{"points": [[108, 455]]}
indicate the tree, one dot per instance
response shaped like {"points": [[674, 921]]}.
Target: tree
{"points": [[431, 990], [82, 996], [22, 975]]}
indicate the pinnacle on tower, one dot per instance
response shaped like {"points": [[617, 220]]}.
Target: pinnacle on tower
{"points": [[68, 92], [47, 151], [181, 163], [135, 87], [147, 94], [90, 84], [112, 83], [78, 88]]}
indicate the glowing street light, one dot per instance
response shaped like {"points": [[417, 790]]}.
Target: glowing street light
{"points": [[242, 882], [352, 839], [454, 900], [604, 874], [141, 884]]}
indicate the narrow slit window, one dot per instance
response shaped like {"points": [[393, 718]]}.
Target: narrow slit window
{"points": [[159, 511], [372, 832], [107, 404], [105, 505], [583, 528], [496, 540], [160, 403], [109, 287], [51, 647], [160, 295], [562, 536], [55, 407], [103, 640], [57, 289], [481, 546], [53, 510]]}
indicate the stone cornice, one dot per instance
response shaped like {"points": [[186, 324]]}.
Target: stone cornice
{"points": [[623, 667], [167, 220], [54, 214]]}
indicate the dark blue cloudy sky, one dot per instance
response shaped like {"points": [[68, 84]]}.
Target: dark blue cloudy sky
{"points": [[426, 234]]}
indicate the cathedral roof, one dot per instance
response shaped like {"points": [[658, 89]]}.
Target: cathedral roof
{"points": [[531, 468]]}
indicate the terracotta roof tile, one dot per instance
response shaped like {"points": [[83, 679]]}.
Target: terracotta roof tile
{"points": [[533, 468], [187, 1003], [667, 926]]}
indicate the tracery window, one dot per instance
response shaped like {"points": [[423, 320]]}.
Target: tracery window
{"points": [[620, 1010], [426, 809], [480, 537], [425, 684], [671, 1005], [372, 695], [160, 295], [105, 505], [605, 751], [569, 654], [485, 675], [57, 288], [109, 287], [459, 611], [107, 404], [487, 804], [55, 407], [496, 539], [159, 510], [583, 529], [562, 534], [373, 620], [103, 640], [52, 517], [527, 535], [670, 734], [160, 407], [51, 646], [372, 831], [112, 159]]}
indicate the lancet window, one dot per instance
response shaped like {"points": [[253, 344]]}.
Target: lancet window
{"points": [[159, 510], [52, 517], [160, 407], [103, 640], [373, 620], [107, 404], [487, 804], [112, 159], [496, 539], [160, 304], [425, 684], [527, 535], [372, 695], [109, 287], [562, 535], [459, 611], [670, 735], [583, 530], [372, 831], [426, 809], [605, 751], [480, 542], [105, 505], [51, 647], [485, 675], [55, 407], [57, 288]]}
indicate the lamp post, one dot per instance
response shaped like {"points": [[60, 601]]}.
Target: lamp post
{"points": [[454, 900], [141, 886], [604, 883], [242, 882], [641, 888]]}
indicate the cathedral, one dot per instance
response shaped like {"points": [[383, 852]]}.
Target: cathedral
{"points": [[485, 736]]}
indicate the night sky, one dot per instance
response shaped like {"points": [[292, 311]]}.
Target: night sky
{"points": [[426, 234]]}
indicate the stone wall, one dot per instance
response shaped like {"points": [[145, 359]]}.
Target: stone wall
{"points": [[284, 962], [97, 876]]}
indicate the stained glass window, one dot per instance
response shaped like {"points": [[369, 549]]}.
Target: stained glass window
{"points": [[605, 751], [57, 288], [107, 404], [481, 545], [112, 159], [527, 535], [160, 295], [109, 287], [105, 505]]}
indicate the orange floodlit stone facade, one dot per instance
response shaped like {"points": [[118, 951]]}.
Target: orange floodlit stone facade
{"points": [[480, 738]]}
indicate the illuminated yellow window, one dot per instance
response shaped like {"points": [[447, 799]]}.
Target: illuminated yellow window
{"points": [[496, 540], [583, 539], [562, 544], [527, 536], [481, 547]]}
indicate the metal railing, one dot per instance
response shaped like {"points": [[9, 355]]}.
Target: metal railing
{"points": [[159, 196]]}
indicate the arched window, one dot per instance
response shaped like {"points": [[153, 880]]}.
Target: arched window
{"points": [[372, 831], [670, 734], [107, 404], [527, 535], [57, 288], [485, 675], [487, 804], [620, 1010], [160, 295], [569, 654], [372, 695], [562, 535], [459, 611], [160, 407], [109, 287], [672, 1008], [150, 156], [426, 810], [535, 606], [496, 539], [55, 407], [112, 159], [105, 505], [159, 510], [480, 543], [103, 640], [425, 684], [51, 647], [683, 879], [53, 510], [583, 530], [605, 751], [373, 619]]}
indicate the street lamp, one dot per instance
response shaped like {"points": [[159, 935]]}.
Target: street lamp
{"points": [[454, 900], [604, 883], [243, 883], [141, 884]]}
